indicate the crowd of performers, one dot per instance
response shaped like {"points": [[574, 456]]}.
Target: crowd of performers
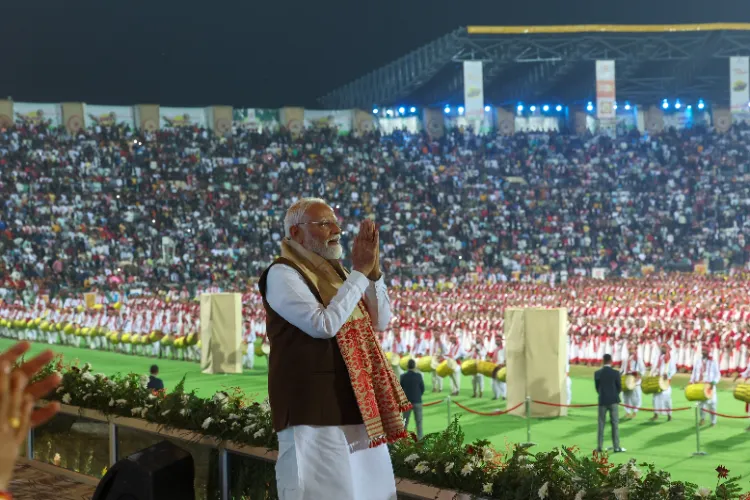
{"points": [[653, 327]]}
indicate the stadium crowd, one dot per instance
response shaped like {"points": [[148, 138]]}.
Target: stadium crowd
{"points": [[469, 224]]}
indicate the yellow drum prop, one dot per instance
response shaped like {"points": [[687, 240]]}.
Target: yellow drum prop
{"points": [[469, 367], [393, 358], [486, 368], [499, 373], [427, 364], [628, 383], [446, 368], [265, 347], [404, 362], [742, 392], [654, 385], [258, 350], [699, 392]]}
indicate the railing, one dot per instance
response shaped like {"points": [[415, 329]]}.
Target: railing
{"points": [[80, 444]]}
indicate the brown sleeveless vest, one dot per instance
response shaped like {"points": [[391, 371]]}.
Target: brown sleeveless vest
{"points": [[308, 381]]}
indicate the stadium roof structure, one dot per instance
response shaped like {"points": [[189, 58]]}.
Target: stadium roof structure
{"points": [[556, 64]]}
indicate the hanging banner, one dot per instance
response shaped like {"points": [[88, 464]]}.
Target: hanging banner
{"points": [[739, 89], [35, 113], [473, 91], [256, 119], [605, 90], [108, 115], [183, 117], [341, 120]]}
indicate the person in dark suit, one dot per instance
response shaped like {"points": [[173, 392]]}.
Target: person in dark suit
{"points": [[413, 385], [608, 385], [155, 383]]}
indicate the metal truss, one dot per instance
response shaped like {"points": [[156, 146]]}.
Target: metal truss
{"points": [[545, 61]]}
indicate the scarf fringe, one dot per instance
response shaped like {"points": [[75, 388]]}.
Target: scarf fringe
{"points": [[374, 443]]}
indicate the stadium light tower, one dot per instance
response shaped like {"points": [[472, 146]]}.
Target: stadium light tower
{"points": [[558, 108], [401, 110], [627, 106], [665, 104], [375, 111], [545, 108], [590, 107], [701, 104], [412, 110], [532, 108], [519, 108], [677, 104], [447, 109], [460, 110], [487, 108]]}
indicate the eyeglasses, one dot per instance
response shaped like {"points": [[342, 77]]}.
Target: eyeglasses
{"points": [[325, 224]]}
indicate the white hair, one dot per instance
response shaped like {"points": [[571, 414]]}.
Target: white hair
{"points": [[296, 213]]}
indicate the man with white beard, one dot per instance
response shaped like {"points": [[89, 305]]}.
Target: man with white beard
{"points": [[321, 322]]}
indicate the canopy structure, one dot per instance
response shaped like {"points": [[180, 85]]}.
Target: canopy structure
{"points": [[556, 64]]}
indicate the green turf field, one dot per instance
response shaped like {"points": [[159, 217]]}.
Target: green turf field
{"points": [[668, 445]]}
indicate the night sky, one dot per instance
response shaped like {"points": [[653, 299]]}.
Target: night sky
{"points": [[261, 54]]}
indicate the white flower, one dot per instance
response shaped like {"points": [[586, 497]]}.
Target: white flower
{"points": [[703, 492], [57, 373], [122, 401], [580, 495], [165, 413], [222, 421], [144, 381], [621, 493], [235, 425], [529, 466], [127, 384], [66, 398], [185, 398], [100, 375], [111, 402], [544, 490], [60, 389], [488, 455], [86, 396], [184, 412], [207, 422], [144, 413], [88, 377], [467, 469], [86, 367], [136, 411], [220, 398], [421, 468], [151, 397], [247, 429], [265, 406], [449, 467], [411, 458], [259, 433], [233, 416], [111, 383], [487, 488]]}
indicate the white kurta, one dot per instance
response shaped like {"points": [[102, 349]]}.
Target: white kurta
{"points": [[317, 462]]}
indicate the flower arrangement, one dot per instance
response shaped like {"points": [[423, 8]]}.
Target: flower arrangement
{"points": [[442, 459]]}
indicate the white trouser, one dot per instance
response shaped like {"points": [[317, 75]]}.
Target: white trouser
{"points": [[155, 348], [633, 398], [569, 386], [499, 389], [317, 463], [399, 372], [250, 359], [663, 401], [437, 382], [477, 383], [709, 404], [456, 380]]}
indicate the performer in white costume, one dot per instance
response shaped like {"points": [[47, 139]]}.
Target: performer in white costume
{"points": [[706, 371], [499, 389], [663, 366], [478, 353], [634, 366]]}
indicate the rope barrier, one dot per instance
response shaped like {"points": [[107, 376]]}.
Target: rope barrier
{"points": [[425, 405], [723, 415], [488, 414], [654, 409], [562, 405]]}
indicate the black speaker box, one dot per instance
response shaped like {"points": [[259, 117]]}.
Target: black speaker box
{"points": [[161, 472]]}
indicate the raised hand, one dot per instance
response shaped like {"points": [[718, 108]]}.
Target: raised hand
{"points": [[39, 389], [365, 248]]}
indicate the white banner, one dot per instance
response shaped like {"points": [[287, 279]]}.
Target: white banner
{"points": [[183, 117], [108, 115], [35, 113], [473, 91], [339, 119], [605, 90], [256, 119], [739, 87]]}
